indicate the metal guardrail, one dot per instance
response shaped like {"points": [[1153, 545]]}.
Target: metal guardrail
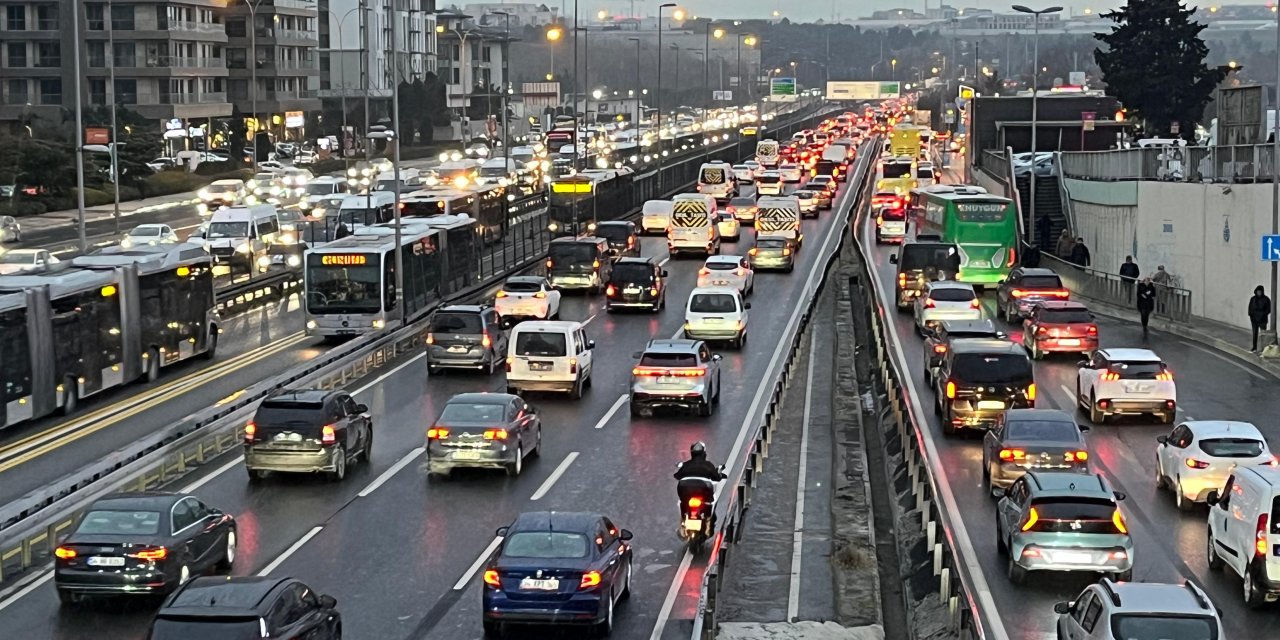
{"points": [[732, 512], [1172, 303], [32, 524], [1226, 164]]}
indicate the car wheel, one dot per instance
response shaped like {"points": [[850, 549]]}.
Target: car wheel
{"points": [[68, 599], [433, 370], [366, 451], [706, 409], [1122, 576], [537, 444], [153, 365], [636, 410], [1017, 575], [1036, 353], [1161, 481], [1180, 498], [228, 553], [184, 574], [339, 464], [492, 629], [211, 349], [1095, 414], [576, 392], [1254, 597], [512, 390], [586, 384], [515, 467], [948, 427], [605, 628], [626, 585], [72, 400], [1001, 547], [1211, 554], [256, 476]]}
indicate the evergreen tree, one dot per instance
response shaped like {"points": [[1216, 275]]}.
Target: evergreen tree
{"points": [[1155, 65]]}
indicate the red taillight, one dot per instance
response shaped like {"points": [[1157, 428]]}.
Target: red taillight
{"points": [[754, 251], [1260, 538], [902, 279], [485, 341], [695, 502], [64, 553], [1093, 329], [589, 579], [1011, 455], [437, 433], [786, 251], [1076, 456], [491, 578], [695, 372], [951, 390], [704, 271], [573, 365], [975, 304], [500, 294], [1110, 376], [495, 434], [1031, 391], [929, 303], [549, 263], [1017, 293], [939, 348], [328, 434], [250, 430], [509, 361], [1192, 463], [610, 291], [152, 555], [1013, 255]]}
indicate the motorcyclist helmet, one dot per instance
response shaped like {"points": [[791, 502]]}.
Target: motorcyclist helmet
{"points": [[698, 450]]}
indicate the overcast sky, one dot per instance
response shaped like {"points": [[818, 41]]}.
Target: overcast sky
{"points": [[811, 10]]}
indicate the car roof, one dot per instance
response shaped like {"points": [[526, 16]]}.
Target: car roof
{"points": [[1038, 271], [568, 521], [1149, 597], [672, 346], [615, 223], [1069, 483], [1063, 305], [1219, 428], [715, 290], [222, 596], [1130, 355], [528, 279], [142, 500], [554, 326], [634, 260], [482, 398], [950, 284], [985, 324], [1041, 415], [301, 395], [464, 308], [579, 240], [724, 257], [985, 345]]}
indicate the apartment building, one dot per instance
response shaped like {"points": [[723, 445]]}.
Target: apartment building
{"points": [[343, 41], [271, 62], [469, 58]]}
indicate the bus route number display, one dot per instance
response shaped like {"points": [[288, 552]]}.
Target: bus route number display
{"points": [[344, 260]]}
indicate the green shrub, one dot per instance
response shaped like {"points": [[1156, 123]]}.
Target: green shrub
{"points": [[171, 182], [93, 198], [21, 207], [215, 168]]}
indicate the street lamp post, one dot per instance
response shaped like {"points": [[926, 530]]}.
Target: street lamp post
{"points": [[342, 78], [395, 158], [1035, 85], [657, 97], [253, 73], [1275, 189], [706, 64], [638, 114], [115, 138], [75, 21], [506, 48], [750, 40]]}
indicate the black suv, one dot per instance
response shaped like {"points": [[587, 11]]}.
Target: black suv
{"points": [[466, 336], [622, 235], [307, 431], [937, 341], [923, 261], [978, 379], [636, 283], [579, 263], [247, 608]]}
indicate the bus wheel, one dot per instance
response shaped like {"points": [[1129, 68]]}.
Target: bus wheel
{"points": [[153, 365], [72, 399], [211, 348]]}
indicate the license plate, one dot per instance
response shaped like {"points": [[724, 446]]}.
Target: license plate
{"points": [[457, 349], [535, 584], [1072, 557], [979, 263], [539, 366], [668, 380], [100, 561], [1134, 387], [466, 455], [693, 524], [1069, 342], [993, 405], [631, 290], [721, 283], [288, 437], [713, 320]]}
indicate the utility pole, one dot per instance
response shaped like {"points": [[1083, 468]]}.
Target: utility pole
{"points": [[75, 20], [1035, 84], [253, 74], [395, 158], [657, 97], [115, 138], [1275, 188]]}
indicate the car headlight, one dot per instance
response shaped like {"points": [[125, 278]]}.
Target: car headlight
{"points": [[126, 243], [244, 248], [553, 226], [378, 324], [288, 238], [293, 261], [203, 194], [311, 324]]}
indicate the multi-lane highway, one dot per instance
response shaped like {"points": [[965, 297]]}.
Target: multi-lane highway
{"points": [[400, 554], [1168, 545]]}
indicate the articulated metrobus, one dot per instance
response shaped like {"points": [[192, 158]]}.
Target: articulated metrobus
{"points": [[104, 320], [487, 205], [984, 226]]}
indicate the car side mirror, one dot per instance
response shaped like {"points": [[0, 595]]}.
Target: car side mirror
{"points": [[716, 358], [625, 534], [1083, 364], [1084, 428], [1162, 439], [1119, 495], [1062, 607], [362, 408], [746, 305], [1213, 499], [591, 344], [893, 258], [328, 602], [501, 532], [1000, 282], [664, 273]]}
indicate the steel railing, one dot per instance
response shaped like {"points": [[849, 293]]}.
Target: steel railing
{"points": [[1172, 303], [1224, 163]]}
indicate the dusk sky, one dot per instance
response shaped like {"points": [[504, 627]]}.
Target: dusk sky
{"points": [[811, 10]]}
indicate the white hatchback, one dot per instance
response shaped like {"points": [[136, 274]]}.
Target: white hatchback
{"points": [[527, 297], [1126, 382], [716, 314], [727, 271], [790, 172], [1196, 458], [946, 300]]}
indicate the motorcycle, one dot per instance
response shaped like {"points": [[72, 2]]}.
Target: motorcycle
{"points": [[697, 511]]}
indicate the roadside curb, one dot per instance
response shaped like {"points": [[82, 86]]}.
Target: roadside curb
{"points": [[1184, 331]]}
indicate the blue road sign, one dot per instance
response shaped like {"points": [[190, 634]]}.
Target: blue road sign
{"points": [[1271, 248]]}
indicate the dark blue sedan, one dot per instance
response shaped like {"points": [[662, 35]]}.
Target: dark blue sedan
{"points": [[556, 568]]}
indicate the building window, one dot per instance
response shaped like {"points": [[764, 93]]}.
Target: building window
{"points": [[48, 54], [50, 91], [123, 55], [47, 17], [488, 54], [236, 28], [16, 17], [457, 76], [97, 91], [17, 92], [17, 55], [97, 54], [238, 89], [122, 17], [237, 58], [126, 92], [95, 16]]}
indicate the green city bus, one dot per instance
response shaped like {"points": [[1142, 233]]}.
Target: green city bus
{"points": [[984, 226]]}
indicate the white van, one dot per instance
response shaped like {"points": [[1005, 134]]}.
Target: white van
{"points": [[241, 236], [375, 207], [410, 180], [716, 314], [694, 225], [779, 216], [322, 189], [1244, 533], [655, 216], [549, 355], [716, 181], [767, 153]]}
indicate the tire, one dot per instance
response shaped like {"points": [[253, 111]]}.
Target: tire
{"points": [[576, 392], [339, 465], [1179, 498], [1212, 559], [1161, 481], [73, 398], [1096, 415], [626, 586], [537, 445], [948, 427], [636, 411], [68, 599], [1122, 576], [256, 476], [1253, 596], [1001, 548], [706, 409], [228, 553], [211, 349], [605, 628], [366, 452], [586, 384], [433, 370], [153, 366], [1016, 574], [515, 467], [512, 390]]}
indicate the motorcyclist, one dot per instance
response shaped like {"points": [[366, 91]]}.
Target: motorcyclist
{"points": [[697, 466]]}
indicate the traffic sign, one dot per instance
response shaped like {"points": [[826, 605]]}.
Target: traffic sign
{"points": [[1271, 248], [782, 87], [1087, 119], [722, 96]]}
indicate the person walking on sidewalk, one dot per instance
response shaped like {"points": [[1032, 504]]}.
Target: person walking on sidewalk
{"points": [[1146, 301], [1080, 253], [1065, 244], [1259, 309], [1128, 275], [1031, 257]]}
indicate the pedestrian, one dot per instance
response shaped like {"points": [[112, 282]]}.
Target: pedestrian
{"points": [[1065, 244], [1146, 301], [1161, 277], [1080, 253], [1129, 270], [1031, 259], [1044, 226], [1259, 309]]}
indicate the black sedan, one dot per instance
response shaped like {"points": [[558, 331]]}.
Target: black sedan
{"points": [[247, 607], [142, 543], [483, 430], [557, 568], [1033, 440]]}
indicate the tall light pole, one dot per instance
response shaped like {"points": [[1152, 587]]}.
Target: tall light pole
{"points": [[115, 139], [638, 114], [706, 63], [1035, 85], [657, 97], [75, 27], [342, 76], [394, 7], [750, 41], [506, 80], [253, 73], [1275, 183]]}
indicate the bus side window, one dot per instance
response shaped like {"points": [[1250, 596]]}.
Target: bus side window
{"points": [[389, 282]]}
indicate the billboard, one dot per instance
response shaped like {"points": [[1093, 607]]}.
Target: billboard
{"points": [[1241, 116], [843, 90], [782, 87]]}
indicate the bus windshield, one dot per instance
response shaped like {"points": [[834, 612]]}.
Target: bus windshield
{"points": [[343, 288], [895, 169]]}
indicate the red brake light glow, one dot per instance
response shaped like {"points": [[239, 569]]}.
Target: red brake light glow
{"points": [[695, 502], [1192, 463], [153, 555], [1076, 456], [589, 579], [250, 430], [437, 433], [485, 341], [491, 578], [64, 553], [1260, 538], [495, 434], [1093, 329], [929, 303], [975, 304], [939, 348], [610, 291], [1110, 376], [1012, 454], [328, 435]]}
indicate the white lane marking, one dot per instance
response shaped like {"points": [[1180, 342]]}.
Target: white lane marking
{"points": [[555, 475], [1225, 358], [275, 564], [665, 613], [191, 488], [393, 470], [982, 590], [32, 586], [484, 555], [1075, 400], [617, 404], [588, 320], [378, 380], [664, 261], [802, 479]]}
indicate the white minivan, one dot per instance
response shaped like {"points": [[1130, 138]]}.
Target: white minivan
{"points": [[241, 236], [549, 355], [716, 179], [655, 216], [1244, 533], [695, 225], [716, 314]]}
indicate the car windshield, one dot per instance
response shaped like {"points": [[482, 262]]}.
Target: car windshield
{"points": [[196, 628], [111, 522], [893, 215], [228, 230], [720, 265], [145, 231], [919, 257], [613, 232], [1156, 627], [713, 303], [321, 189], [518, 286], [771, 243], [457, 323], [469, 412], [1042, 431], [742, 203], [669, 360], [16, 257], [543, 345], [222, 188], [1040, 282], [339, 288], [925, 174], [992, 367], [767, 178], [1065, 316], [632, 272], [283, 412], [1232, 447], [804, 194], [1073, 515], [545, 544], [951, 294]]}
